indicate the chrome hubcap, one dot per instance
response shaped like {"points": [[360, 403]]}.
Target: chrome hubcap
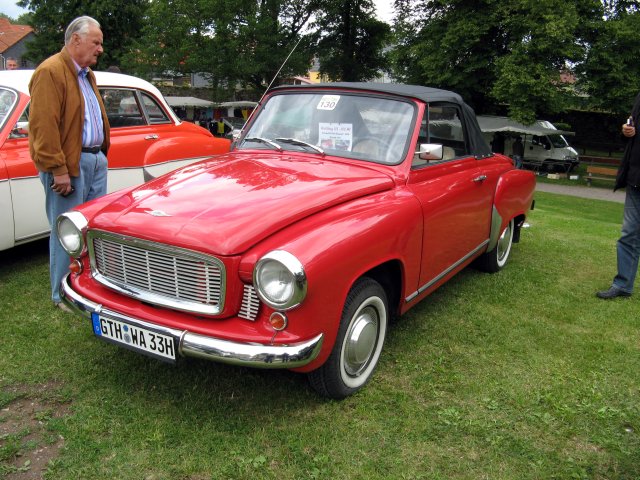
{"points": [[361, 341]]}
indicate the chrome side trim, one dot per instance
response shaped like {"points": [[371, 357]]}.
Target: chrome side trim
{"points": [[446, 272], [33, 236], [209, 348], [496, 222]]}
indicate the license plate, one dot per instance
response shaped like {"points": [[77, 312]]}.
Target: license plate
{"points": [[135, 338]]}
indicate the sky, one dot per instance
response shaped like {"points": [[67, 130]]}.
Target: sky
{"points": [[384, 9], [9, 7]]}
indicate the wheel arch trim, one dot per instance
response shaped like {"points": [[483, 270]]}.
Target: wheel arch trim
{"points": [[496, 227]]}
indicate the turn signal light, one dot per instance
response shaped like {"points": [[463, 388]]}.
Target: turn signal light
{"points": [[278, 321], [76, 267]]}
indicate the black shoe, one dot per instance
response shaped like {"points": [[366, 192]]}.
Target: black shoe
{"points": [[613, 292]]}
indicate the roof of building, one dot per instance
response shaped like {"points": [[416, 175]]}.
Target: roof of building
{"points": [[11, 34]]}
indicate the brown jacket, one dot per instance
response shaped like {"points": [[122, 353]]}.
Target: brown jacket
{"points": [[56, 116]]}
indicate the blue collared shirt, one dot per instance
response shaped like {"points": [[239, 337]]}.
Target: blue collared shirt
{"points": [[93, 129]]}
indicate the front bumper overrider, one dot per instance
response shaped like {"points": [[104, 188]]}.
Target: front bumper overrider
{"points": [[200, 346]]}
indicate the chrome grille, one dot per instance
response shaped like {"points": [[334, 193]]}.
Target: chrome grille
{"points": [[157, 273], [250, 304]]}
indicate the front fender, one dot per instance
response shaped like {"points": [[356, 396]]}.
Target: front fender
{"points": [[340, 245]]}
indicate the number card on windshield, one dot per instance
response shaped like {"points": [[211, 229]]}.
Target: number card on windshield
{"points": [[328, 102]]}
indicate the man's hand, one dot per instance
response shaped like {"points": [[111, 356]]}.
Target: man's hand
{"points": [[628, 130], [62, 184]]}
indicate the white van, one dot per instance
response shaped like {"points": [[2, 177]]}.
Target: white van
{"points": [[545, 147]]}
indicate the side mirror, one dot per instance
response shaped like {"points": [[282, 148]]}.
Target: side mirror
{"points": [[21, 130], [430, 151]]}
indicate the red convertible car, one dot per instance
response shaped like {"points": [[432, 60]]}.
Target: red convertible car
{"points": [[340, 206], [147, 140]]}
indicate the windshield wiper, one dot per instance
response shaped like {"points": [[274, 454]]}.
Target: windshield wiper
{"points": [[264, 140], [295, 141]]}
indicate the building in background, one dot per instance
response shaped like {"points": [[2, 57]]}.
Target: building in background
{"points": [[13, 43]]}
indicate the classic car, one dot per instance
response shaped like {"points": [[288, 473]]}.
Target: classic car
{"points": [[147, 140], [341, 206]]}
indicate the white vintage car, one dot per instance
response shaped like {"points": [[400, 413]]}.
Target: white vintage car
{"points": [[147, 140]]}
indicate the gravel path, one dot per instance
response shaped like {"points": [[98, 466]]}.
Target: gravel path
{"points": [[585, 192]]}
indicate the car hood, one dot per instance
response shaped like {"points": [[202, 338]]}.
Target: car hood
{"points": [[229, 203]]}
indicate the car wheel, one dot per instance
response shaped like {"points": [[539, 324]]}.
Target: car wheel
{"points": [[357, 348], [496, 259]]}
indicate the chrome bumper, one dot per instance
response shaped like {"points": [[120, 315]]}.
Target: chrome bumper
{"points": [[200, 346]]}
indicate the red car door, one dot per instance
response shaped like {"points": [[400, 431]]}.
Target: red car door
{"points": [[456, 196]]}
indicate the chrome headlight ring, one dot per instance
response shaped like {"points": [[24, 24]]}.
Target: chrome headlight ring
{"points": [[71, 229], [280, 280]]}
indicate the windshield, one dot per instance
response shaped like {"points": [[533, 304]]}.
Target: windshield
{"points": [[7, 101], [355, 126], [558, 141]]}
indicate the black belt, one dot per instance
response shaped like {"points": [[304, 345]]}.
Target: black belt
{"points": [[91, 149]]}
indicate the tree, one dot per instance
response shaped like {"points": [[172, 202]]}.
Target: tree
{"points": [[239, 41], [611, 73], [351, 40], [121, 22], [508, 52]]}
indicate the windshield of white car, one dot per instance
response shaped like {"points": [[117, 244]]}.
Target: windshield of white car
{"points": [[7, 101], [558, 141], [371, 128]]}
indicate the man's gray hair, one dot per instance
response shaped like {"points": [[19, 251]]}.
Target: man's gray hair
{"points": [[80, 26]]}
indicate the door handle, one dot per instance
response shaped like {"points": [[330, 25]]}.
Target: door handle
{"points": [[480, 178], [151, 137]]}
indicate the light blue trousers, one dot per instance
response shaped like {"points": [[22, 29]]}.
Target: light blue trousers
{"points": [[90, 184]]}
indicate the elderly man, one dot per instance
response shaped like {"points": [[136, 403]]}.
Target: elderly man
{"points": [[69, 132]]}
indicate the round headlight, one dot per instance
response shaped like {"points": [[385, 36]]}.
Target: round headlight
{"points": [[71, 228], [280, 280]]}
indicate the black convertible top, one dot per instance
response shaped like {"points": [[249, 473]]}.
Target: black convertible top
{"points": [[479, 146]]}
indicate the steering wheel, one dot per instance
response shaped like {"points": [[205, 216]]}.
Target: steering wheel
{"points": [[372, 147]]}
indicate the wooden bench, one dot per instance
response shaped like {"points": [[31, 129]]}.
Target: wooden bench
{"points": [[601, 173]]}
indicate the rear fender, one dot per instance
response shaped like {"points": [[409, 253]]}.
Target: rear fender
{"points": [[513, 198]]}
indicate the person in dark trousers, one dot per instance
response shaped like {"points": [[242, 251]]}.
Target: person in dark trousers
{"points": [[517, 151], [68, 133], [628, 246]]}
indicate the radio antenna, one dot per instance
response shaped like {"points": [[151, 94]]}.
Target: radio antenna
{"points": [[281, 67], [272, 80]]}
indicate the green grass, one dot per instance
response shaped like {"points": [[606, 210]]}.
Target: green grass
{"points": [[519, 375]]}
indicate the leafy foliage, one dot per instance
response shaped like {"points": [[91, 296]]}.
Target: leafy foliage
{"points": [[233, 41], [121, 21], [510, 52], [611, 72], [351, 40]]}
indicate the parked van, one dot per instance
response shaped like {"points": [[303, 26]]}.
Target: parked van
{"points": [[545, 147]]}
